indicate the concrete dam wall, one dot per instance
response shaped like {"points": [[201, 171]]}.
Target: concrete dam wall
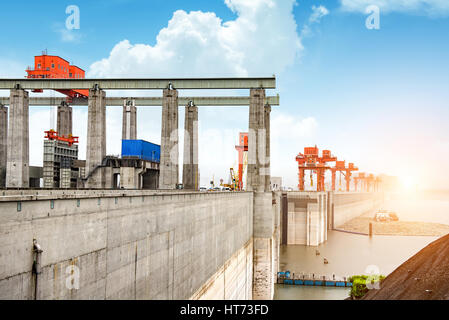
{"points": [[138, 245], [346, 206], [306, 216]]}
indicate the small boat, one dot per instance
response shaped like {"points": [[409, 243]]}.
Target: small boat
{"points": [[325, 261]]}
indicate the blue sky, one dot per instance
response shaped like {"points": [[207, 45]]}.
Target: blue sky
{"points": [[378, 98]]}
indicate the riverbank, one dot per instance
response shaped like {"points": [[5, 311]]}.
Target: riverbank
{"points": [[422, 277], [395, 228]]}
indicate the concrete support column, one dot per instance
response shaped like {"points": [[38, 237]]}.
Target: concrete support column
{"points": [[265, 241], [96, 138], [64, 122], [129, 127], [130, 178], [18, 159], [258, 178], [169, 166], [190, 167], [267, 148], [3, 143]]}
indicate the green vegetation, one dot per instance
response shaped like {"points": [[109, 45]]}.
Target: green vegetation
{"points": [[360, 287]]}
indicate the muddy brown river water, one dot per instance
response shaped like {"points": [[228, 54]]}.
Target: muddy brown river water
{"points": [[350, 254]]}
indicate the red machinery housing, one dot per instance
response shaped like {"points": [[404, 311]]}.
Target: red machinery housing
{"points": [[241, 148], [311, 160], [55, 67]]}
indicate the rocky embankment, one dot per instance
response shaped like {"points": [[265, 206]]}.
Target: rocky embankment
{"points": [[425, 276]]}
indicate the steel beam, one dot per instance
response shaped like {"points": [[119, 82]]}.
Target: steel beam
{"points": [[150, 101], [140, 83]]}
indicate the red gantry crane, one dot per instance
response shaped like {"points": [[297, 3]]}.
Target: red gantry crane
{"points": [[55, 67], [360, 177], [370, 182], [340, 166], [311, 161]]}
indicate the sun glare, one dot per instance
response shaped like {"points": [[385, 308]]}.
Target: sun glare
{"points": [[408, 183]]}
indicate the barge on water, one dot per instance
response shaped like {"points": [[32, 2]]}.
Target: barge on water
{"points": [[303, 280]]}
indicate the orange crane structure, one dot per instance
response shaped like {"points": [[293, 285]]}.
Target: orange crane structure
{"points": [[55, 67], [312, 161], [368, 182], [241, 148], [53, 135], [360, 177], [340, 166]]}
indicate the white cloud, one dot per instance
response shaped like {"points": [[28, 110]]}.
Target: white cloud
{"points": [[67, 35], [317, 14], [428, 7], [261, 40]]}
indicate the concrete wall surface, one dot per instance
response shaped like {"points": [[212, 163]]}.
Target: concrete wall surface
{"points": [[310, 214], [349, 205], [233, 281], [266, 243], [306, 218], [133, 245]]}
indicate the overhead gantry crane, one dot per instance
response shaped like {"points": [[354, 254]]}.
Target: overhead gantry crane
{"points": [[368, 182], [340, 166], [360, 177], [54, 67], [311, 161]]}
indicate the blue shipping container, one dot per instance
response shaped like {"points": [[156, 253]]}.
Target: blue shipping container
{"points": [[141, 149]]}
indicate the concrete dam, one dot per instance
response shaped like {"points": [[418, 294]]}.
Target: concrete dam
{"points": [[153, 245], [89, 239]]}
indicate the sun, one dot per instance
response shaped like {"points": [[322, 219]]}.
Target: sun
{"points": [[408, 183]]}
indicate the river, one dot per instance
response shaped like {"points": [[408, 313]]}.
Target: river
{"points": [[350, 254]]}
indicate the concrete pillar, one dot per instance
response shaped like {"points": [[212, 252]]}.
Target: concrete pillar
{"points": [[64, 122], [18, 159], [190, 177], [169, 166], [96, 138], [267, 115], [129, 178], [258, 178], [129, 126], [3, 143], [264, 242]]}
